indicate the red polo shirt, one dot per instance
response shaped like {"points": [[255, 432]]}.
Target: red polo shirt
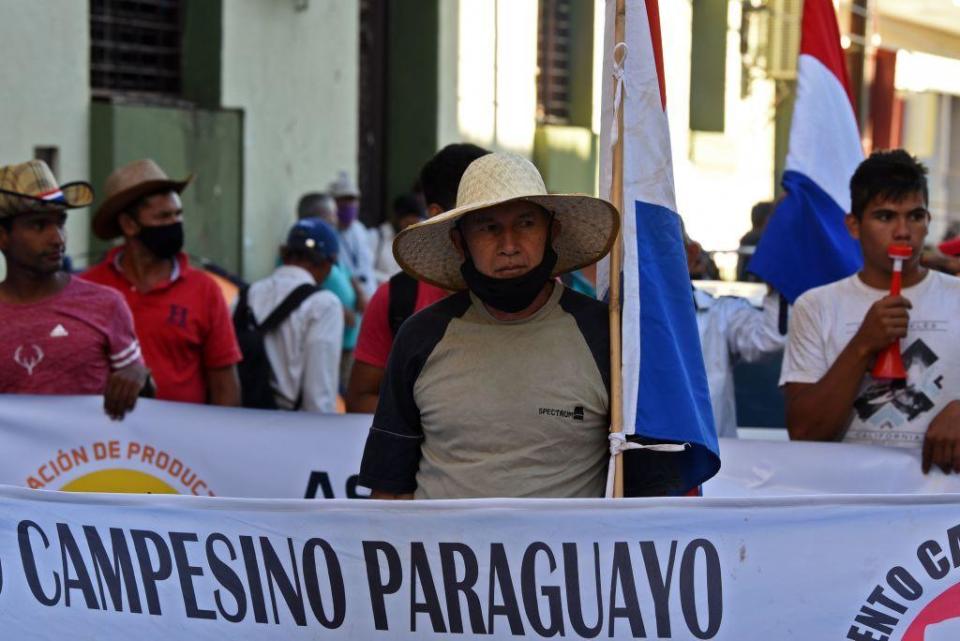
{"points": [[376, 339], [183, 324]]}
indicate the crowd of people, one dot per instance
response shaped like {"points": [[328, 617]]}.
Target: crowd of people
{"points": [[461, 323]]}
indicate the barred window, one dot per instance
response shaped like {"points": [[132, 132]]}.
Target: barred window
{"points": [[135, 47], [553, 60]]}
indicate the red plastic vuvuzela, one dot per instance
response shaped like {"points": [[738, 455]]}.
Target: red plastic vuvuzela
{"points": [[889, 363]]}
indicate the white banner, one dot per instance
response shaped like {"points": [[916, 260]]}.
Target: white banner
{"points": [[774, 468], [67, 443], [175, 567]]}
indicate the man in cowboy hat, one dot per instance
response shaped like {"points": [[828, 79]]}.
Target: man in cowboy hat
{"points": [[180, 314], [500, 390], [61, 335]]}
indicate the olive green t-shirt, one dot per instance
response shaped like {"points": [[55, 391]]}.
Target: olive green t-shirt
{"points": [[475, 407]]}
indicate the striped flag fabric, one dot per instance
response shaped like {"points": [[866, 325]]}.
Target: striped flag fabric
{"points": [[665, 394], [806, 243], [54, 195]]}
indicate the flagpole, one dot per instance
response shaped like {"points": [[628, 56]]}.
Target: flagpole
{"points": [[616, 266]]}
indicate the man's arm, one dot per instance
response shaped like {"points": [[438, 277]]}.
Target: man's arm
{"points": [[363, 391], [941, 444], [820, 411], [361, 293], [128, 376], [223, 386], [754, 333], [391, 456], [123, 388], [371, 354]]}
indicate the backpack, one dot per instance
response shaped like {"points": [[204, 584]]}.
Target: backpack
{"points": [[403, 298], [255, 370]]}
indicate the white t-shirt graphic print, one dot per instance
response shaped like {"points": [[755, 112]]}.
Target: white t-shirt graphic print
{"points": [[826, 318]]}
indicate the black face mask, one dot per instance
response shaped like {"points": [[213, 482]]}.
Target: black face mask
{"points": [[164, 241], [510, 295]]}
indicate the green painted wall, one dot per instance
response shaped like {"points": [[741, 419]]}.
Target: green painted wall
{"points": [[202, 52], [708, 64], [567, 155], [412, 95], [208, 144], [786, 98], [581, 63], [567, 158]]}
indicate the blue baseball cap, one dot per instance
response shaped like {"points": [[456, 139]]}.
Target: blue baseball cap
{"points": [[315, 235]]}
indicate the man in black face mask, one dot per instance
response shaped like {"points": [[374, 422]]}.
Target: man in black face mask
{"points": [[180, 314], [502, 389]]}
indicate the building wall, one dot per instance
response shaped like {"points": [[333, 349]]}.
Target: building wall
{"points": [[204, 143], [412, 85], [487, 74], [718, 176], [292, 68], [448, 129], [46, 92], [567, 155]]}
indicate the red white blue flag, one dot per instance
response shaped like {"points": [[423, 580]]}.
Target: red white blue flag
{"points": [[806, 243], [665, 394], [54, 195]]}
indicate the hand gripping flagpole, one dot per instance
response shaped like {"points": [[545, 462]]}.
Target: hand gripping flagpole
{"points": [[616, 253]]}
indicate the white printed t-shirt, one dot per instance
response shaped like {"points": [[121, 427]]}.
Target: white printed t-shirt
{"points": [[824, 320]]}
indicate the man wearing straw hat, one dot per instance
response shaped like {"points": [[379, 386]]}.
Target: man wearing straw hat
{"points": [[61, 335], [500, 390], [180, 314]]}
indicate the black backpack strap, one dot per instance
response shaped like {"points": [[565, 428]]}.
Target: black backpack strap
{"points": [[782, 317], [242, 316], [403, 298], [287, 307]]}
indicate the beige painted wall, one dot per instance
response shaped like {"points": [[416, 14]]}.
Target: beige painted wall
{"points": [[46, 94], [294, 73], [718, 176]]}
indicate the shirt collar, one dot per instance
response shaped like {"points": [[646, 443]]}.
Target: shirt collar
{"points": [[702, 300], [292, 272], [115, 258]]}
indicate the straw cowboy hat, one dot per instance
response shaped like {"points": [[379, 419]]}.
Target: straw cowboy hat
{"points": [[588, 226], [125, 186], [31, 187]]}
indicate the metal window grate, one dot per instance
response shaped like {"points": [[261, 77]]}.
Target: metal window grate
{"points": [[135, 46], [553, 60]]}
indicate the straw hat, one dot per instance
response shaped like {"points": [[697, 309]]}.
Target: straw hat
{"points": [[124, 187], [30, 186], [588, 226]]}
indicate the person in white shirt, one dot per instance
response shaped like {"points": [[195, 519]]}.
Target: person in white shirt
{"points": [[837, 331], [304, 351], [355, 252], [731, 330]]}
